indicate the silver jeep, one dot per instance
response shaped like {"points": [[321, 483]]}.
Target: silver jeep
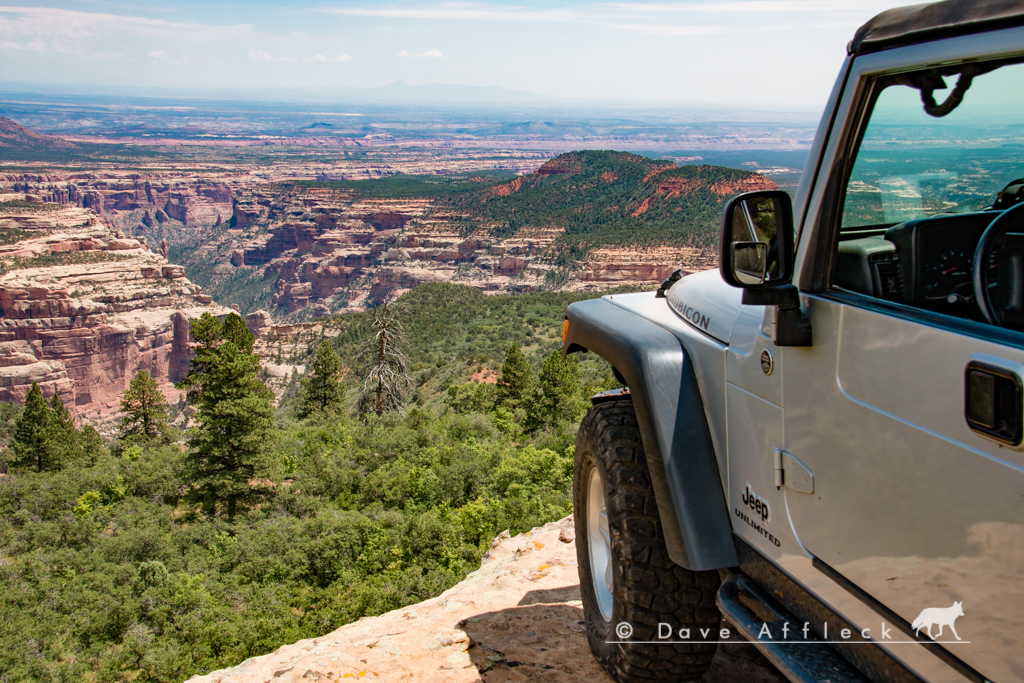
{"points": [[822, 440]]}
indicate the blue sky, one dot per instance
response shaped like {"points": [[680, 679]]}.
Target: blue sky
{"points": [[705, 52]]}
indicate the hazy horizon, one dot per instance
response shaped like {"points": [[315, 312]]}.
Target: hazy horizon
{"points": [[732, 54]]}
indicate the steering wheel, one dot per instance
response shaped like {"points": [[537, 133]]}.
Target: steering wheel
{"points": [[1010, 273]]}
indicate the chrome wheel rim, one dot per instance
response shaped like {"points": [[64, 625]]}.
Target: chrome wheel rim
{"points": [[599, 544]]}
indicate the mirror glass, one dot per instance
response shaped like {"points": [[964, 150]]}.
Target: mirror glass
{"points": [[755, 240], [749, 261]]}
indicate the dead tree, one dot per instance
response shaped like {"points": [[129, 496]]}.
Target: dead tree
{"points": [[387, 372]]}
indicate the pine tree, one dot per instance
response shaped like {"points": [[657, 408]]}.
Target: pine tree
{"points": [[228, 446], [387, 374], [516, 383], [145, 409], [31, 432], [91, 445], [321, 387], [558, 397], [63, 437]]}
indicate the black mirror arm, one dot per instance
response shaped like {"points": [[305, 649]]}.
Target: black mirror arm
{"points": [[792, 328], [772, 295]]}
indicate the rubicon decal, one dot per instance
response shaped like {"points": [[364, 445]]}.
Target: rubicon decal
{"points": [[694, 316]]}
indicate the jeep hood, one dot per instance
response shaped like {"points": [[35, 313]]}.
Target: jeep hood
{"points": [[706, 302]]}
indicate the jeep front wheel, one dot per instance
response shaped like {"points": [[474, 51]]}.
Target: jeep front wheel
{"points": [[628, 583]]}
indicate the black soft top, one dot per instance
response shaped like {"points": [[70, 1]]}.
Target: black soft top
{"points": [[921, 23]]}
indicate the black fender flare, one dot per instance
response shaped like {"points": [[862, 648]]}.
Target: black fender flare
{"points": [[673, 427]]}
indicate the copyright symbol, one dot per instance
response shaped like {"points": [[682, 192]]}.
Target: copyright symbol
{"points": [[624, 630]]}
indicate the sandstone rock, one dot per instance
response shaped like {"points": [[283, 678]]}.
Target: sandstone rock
{"points": [[83, 330], [283, 371], [258, 322], [178, 210], [244, 216], [120, 244]]}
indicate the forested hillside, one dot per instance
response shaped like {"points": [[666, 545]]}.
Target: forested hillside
{"points": [[137, 560], [602, 198]]}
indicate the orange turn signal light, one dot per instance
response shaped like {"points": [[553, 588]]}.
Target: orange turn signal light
{"points": [[565, 330]]}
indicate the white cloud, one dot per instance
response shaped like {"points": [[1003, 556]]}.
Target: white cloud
{"points": [[88, 37], [757, 6], [51, 21], [157, 54], [434, 53], [315, 58], [343, 58], [264, 56], [674, 29], [481, 12], [636, 17], [10, 45]]}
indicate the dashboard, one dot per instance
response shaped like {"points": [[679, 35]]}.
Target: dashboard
{"points": [[925, 263]]}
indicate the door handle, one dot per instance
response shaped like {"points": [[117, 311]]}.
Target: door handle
{"points": [[993, 402]]}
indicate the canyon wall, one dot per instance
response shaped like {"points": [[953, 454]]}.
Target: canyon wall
{"points": [[328, 248], [83, 307]]}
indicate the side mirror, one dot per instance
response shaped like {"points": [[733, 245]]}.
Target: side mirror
{"points": [[757, 254], [757, 240]]}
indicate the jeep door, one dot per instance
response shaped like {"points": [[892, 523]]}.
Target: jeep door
{"points": [[905, 499]]}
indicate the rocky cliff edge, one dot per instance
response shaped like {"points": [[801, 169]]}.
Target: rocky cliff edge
{"points": [[517, 618]]}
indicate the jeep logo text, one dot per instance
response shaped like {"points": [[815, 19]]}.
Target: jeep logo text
{"points": [[756, 503]]}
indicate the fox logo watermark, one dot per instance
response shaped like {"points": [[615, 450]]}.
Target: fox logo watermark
{"points": [[938, 616]]}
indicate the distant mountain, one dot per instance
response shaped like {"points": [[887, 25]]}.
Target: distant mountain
{"points": [[16, 137]]}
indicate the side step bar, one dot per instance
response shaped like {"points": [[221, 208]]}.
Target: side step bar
{"points": [[763, 622]]}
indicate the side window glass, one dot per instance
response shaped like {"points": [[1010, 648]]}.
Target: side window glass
{"points": [[940, 158]]}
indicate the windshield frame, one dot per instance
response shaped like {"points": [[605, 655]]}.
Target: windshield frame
{"points": [[817, 198], [878, 84]]}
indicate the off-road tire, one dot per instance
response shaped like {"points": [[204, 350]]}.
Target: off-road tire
{"points": [[648, 588]]}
